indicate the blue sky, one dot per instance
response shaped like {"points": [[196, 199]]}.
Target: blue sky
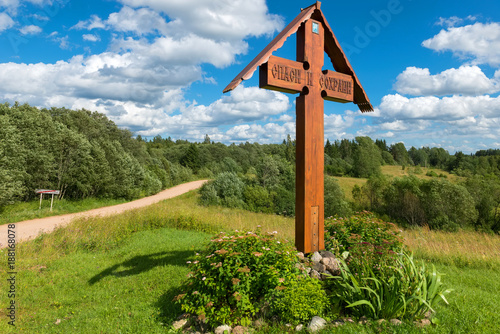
{"points": [[430, 68]]}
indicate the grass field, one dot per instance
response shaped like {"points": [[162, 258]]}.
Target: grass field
{"points": [[348, 183], [119, 274]]}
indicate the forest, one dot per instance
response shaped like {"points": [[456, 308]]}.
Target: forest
{"points": [[84, 154]]}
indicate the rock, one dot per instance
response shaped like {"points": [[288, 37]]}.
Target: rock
{"points": [[332, 265], [315, 274], [327, 254], [363, 320], [396, 322], [379, 321], [320, 268], [316, 257], [422, 323], [316, 324], [180, 324], [58, 321], [299, 327], [338, 323], [308, 270], [224, 329], [301, 256], [240, 330], [349, 320]]}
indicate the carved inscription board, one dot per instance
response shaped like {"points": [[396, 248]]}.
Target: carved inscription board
{"points": [[289, 76]]}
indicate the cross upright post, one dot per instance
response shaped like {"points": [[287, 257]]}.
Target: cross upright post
{"points": [[309, 186], [305, 76]]}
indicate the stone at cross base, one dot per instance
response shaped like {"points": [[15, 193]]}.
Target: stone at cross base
{"points": [[306, 77]]}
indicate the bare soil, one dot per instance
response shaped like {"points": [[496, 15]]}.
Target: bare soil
{"points": [[31, 228]]}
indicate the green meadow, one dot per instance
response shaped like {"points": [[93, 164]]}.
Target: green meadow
{"points": [[119, 274]]}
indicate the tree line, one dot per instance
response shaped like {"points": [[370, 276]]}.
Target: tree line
{"points": [[81, 153], [84, 154]]}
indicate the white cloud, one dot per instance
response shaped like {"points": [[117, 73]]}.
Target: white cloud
{"points": [[91, 38], [6, 22], [454, 20], [63, 42], [30, 30], [397, 125], [11, 6], [433, 108], [41, 17], [141, 21], [140, 82], [190, 49], [466, 80], [268, 133], [94, 22], [478, 42], [242, 105], [217, 18]]}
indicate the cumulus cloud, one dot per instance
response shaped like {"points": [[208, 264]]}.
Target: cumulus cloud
{"points": [[156, 52], [6, 22], [466, 80], [94, 22], [479, 42], [30, 30], [433, 108], [91, 38], [268, 133], [189, 50], [141, 22], [217, 18]]}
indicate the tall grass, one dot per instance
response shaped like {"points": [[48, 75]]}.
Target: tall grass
{"points": [[347, 183], [463, 248], [183, 212]]}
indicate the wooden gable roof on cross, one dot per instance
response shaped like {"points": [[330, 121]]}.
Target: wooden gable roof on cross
{"points": [[332, 48]]}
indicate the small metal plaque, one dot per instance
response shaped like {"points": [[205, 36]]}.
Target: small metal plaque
{"points": [[315, 26]]}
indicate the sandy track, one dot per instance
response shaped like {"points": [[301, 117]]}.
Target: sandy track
{"points": [[31, 228]]}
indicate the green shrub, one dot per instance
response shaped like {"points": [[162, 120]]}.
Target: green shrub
{"points": [[345, 234], [300, 301], [406, 290], [226, 190], [335, 202], [284, 201], [258, 199], [208, 194], [237, 277], [431, 173]]}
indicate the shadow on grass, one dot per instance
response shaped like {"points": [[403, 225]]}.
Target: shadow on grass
{"points": [[169, 310], [143, 263]]}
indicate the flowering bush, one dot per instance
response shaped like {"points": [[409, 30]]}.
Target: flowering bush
{"points": [[344, 234], [237, 277]]}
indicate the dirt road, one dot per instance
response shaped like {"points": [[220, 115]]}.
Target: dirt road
{"points": [[31, 228]]}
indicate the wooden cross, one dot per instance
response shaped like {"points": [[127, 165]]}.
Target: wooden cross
{"points": [[306, 77]]}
